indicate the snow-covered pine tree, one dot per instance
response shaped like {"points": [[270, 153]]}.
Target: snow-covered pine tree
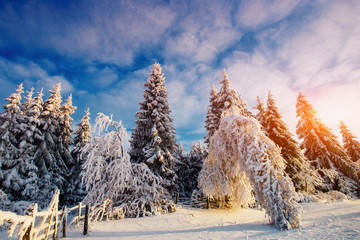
{"points": [[66, 122], [153, 138], [351, 144], [297, 166], [324, 151], [75, 191], [82, 136], [31, 136], [28, 100], [36, 106], [260, 116], [241, 157], [188, 168], [10, 162], [219, 103], [212, 116], [52, 158], [227, 97], [109, 174], [9, 128]]}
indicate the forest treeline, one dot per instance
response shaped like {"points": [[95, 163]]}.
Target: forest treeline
{"points": [[247, 159]]}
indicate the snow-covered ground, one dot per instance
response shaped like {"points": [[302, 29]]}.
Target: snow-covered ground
{"points": [[338, 220], [322, 220]]}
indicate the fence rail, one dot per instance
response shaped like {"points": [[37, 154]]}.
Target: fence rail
{"points": [[47, 224], [36, 225]]}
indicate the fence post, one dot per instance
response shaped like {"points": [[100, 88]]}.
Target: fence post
{"points": [[64, 221], [79, 215], [32, 212], [177, 198], [56, 216], [86, 220], [207, 203]]}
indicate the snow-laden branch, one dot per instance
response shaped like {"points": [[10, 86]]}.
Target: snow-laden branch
{"points": [[109, 174], [241, 157]]}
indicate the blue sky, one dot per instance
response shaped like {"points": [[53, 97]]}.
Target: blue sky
{"points": [[102, 52]]}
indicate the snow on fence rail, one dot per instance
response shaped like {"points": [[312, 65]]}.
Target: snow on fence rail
{"points": [[45, 224]]}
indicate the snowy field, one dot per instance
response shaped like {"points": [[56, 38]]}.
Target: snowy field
{"points": [[338, 220], [322, 220]]}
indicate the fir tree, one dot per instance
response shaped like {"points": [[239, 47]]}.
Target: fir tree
{"points": [[10, 132], [76, 189], [351, 144], [66, 122], [297, 165], [82, 136], [262, 110], [31, 136], [219, 103], [212, 116], [324, 151], [28, 100], [9, 128], [227, 98], [36, 106], [52, 158], [153, 138]]}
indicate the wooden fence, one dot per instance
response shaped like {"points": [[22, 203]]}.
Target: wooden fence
{"points": [[47, 224], [43, 225]]}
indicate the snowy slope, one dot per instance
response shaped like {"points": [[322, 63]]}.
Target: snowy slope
{"points": [[338, 220]]}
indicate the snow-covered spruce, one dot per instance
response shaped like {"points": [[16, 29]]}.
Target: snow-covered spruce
{"points": [[212, 116], [241, 158], [153, 138], [219, 103], [351, 144], [260, 116], [325, 153], [109, 174], [297, 167], [76, 189], [18, 132]]}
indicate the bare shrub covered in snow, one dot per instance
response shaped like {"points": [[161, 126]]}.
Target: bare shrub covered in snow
{"points": [[109, 174], [242, 158]]}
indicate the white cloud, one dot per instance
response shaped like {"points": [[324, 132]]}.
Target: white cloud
{"points": [[255, 13], [101, 78], [32, 75]]}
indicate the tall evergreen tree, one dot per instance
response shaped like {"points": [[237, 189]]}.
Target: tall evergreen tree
{"points": [[75, 191], [8, 129], [153, 138], [82, 136], [52, 158], [28, 100], [66, 122], [324, 151], [219, 103], [31, 136], [351, 145], [10, 161], [228, 98], [260, 116], [297, 166], [212, 116]]}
